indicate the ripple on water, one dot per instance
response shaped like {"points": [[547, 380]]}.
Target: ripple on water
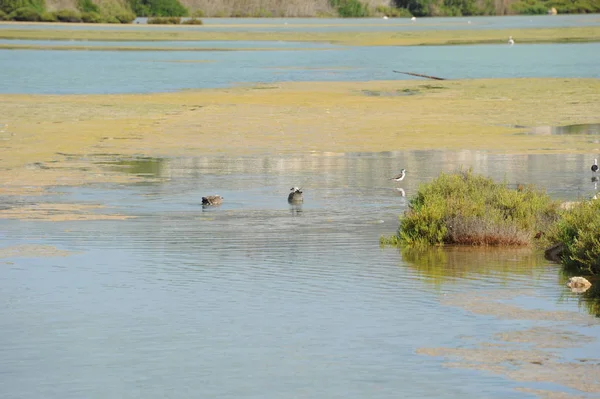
{"points": [[253, 300]]}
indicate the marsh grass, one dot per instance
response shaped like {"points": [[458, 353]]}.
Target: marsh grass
{"points": [[432, 37], [579, 231], [463, 208]]}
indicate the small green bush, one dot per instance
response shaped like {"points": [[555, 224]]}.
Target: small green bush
{"points": [[10, 6], [25, 14], [91, 17], [350, 8], [68, 16], [158, 8], [48, 17], [197, 14], [124, 16], [87, 6], [532, 7], [164, 21], [110, 19], [3, 16], [579, 231], [466, 209], [192, 21], [393, 11]]}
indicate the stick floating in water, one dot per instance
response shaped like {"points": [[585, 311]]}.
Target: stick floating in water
{"points": [[420, 75]]}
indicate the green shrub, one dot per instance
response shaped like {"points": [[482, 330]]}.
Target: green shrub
{"points": [[125, 16], [110, 19], [466, 209], [158, 8], [393, 11], [48, 17], [197, 14], [350, 8], [578, 230], [9, 6], [164, 21], [533, 7], [87, 6], [3, 16], [68, 16], [192, 21], [91, 17], [25, 14]]}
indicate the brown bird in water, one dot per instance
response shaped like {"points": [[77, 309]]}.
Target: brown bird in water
{"points": [[212, 200], [296, 195]]}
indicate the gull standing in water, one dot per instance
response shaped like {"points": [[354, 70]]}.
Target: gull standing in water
{"points": [[595, 166], [510, 40], [401, 176]]}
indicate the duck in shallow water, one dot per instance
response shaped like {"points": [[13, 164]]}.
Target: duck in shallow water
{"points": [[295, 196], [212, 200]]}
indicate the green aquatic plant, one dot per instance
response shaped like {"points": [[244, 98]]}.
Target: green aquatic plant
{"points": [[578, 231], [463, 208]]}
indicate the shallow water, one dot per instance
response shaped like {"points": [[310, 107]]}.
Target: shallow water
{"points": [[257, 298], [88, 72]]}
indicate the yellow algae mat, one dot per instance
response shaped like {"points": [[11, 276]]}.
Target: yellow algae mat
{"points": [[357, 37], [50, 140]]}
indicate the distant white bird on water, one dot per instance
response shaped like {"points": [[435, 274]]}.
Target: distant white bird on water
{"points": [[510, 40], [401, 176], [385, 17], [413, 19], [595, 166]]}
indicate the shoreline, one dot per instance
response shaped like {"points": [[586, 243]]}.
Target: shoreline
{"points": [[357, 38]]}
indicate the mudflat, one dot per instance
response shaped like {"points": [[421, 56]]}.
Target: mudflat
{"points": [[50, 140], [357, 38]]}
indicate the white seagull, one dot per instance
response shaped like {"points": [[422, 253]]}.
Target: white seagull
{"points": [[510, 40], [413, 19], [595, 166]]}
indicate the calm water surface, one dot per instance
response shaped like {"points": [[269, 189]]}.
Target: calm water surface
{"points": [[259, 299], [87, 72]]}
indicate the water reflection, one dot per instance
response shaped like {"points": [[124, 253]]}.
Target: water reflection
{"points": [[139, 166], [446, 264], [580, 129]]}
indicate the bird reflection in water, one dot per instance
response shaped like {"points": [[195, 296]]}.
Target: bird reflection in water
{"points": [[296, 209]]}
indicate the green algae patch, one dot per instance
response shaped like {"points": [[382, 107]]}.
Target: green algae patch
{"points": [[391, 38], [32, 251], [533, 354], [58, 212], [286, 118]]}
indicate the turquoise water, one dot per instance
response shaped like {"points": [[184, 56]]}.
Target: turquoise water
{"points": [[87, 72]]}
